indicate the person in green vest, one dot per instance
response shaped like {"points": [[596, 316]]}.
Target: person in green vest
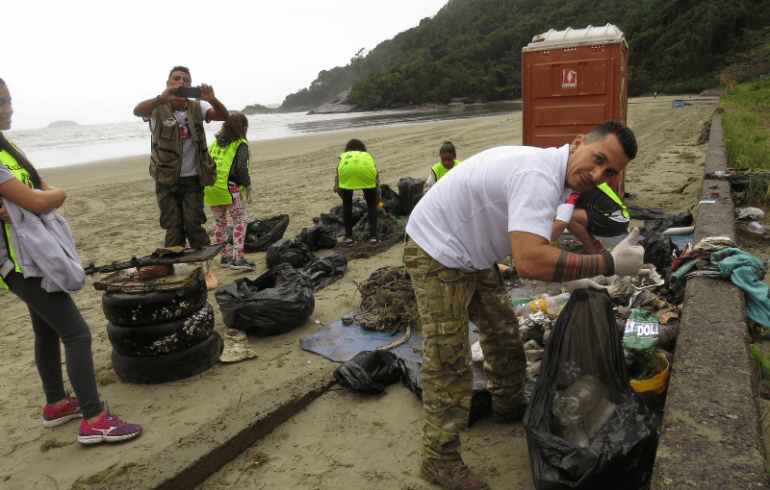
{"points": [[356, 170], [448, 156], [596, 211], [54, 316], [231, 153]]}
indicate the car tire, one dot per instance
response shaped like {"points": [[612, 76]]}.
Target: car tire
{"points": [[155, 307], [162, 338], [169, 367]]}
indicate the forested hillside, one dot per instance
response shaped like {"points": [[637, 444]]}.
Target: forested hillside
{"points": [[472, 48]]}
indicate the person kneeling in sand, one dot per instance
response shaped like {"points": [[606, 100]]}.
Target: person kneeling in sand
{"points": [[448, 160], [355, 171], [597, 211]]}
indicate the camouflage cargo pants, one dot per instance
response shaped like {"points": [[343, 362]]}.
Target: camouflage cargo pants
{"points": [[181, 212], [447, 300]]}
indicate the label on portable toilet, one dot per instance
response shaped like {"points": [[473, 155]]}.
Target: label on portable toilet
{"points": [[569, 79]]}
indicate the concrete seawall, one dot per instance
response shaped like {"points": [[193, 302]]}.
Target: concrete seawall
{"points": [[712, 436]]}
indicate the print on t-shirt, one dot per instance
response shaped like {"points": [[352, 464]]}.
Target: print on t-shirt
{"points": [[184, 130]]}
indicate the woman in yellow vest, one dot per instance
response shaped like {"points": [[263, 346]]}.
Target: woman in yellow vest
{"points": [[54, 315], [356, 171], [231, 153], [448, 156]]}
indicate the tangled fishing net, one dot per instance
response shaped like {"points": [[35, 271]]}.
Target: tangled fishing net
{"points": [[388, 303]]}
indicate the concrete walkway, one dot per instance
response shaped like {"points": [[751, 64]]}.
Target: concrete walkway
{"points": [[712, 436]]}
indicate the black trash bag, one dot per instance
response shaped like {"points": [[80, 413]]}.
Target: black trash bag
{"points": [[481, 400], [659, 250], [334, 217], [407, 189], [369, 371], [261, 233], [264, 308], [585, 345], [325, 271], [636, 212], [667, 221], [390, 200], [284, 250], [317, 237]]}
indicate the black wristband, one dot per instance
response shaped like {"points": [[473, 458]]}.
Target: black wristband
{"points": [[609, 264]]}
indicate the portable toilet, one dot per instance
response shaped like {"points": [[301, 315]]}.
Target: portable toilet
{"points": [[573, 80]]}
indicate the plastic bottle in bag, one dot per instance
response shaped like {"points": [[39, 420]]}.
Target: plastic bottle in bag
{"points": [[551, 305]]}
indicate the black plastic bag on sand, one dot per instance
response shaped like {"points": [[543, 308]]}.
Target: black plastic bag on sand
{"points": [[334, 217], [286, 251], [407, 189], [659, 250], [369, 371], [276, 302], [325, 271], [481, 401], [569, 446], [317, 237], [667, 221], [390, 200], [261, 233]]}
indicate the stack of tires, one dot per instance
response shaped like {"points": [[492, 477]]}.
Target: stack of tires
{"points": [[161, 336]]}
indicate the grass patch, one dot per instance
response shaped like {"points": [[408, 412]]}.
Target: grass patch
{"points": [[746, 123]]}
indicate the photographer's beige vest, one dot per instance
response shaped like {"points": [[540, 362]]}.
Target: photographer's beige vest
{"points": [[166, 154]]}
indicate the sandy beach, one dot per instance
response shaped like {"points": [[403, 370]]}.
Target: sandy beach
{"points": [[342, 440]]}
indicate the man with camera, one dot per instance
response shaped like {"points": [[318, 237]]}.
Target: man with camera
{"points": [[180, 162]]}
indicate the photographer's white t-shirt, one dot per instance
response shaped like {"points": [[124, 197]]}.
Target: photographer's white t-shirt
{"points": [[464, 221], [188, 151]]}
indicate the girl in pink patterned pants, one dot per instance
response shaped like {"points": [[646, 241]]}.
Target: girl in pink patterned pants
{"points": [[231, 153]]}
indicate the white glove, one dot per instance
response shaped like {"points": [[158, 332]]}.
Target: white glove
{"points": [[628, 257], [564, 212], [571, 286], [247, 191]]}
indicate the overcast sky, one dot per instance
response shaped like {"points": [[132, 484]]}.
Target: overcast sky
{"points": [[93, 61]]}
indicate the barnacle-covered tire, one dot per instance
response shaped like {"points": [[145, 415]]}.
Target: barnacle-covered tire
{"points": [[162, 338], [146, 308], [169, 367]]}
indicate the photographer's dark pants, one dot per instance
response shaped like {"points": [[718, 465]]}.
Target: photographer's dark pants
{"points": [[54, 316], [181, 212], [347, 210]]}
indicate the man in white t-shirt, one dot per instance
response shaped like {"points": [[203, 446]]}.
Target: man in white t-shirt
{"points": [[501, 201], [180, 162]]}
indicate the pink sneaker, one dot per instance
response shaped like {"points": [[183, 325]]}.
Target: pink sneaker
{"points": [[108, 428], [53, 417]]}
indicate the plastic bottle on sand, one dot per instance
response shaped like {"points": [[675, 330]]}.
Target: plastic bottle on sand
{"points": [[756, 227], [551, 305]]}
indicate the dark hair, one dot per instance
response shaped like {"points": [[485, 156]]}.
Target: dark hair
{"points": [[624, 134], [448, 147], [234, 127], [355, 145], [6, 145], [179, 68]]}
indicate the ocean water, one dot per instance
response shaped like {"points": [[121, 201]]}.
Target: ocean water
{"points": [[57, 147]]}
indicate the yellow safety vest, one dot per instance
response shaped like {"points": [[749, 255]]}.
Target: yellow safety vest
{"points": [[219, 193], [20, 173], [608, 190], [356, 170], [440, 170]]}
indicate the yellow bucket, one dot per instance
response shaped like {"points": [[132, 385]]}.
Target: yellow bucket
{"points": [[656, 383]]}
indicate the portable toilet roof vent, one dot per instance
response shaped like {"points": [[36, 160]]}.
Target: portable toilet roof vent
{"points": [[576, 37]]}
